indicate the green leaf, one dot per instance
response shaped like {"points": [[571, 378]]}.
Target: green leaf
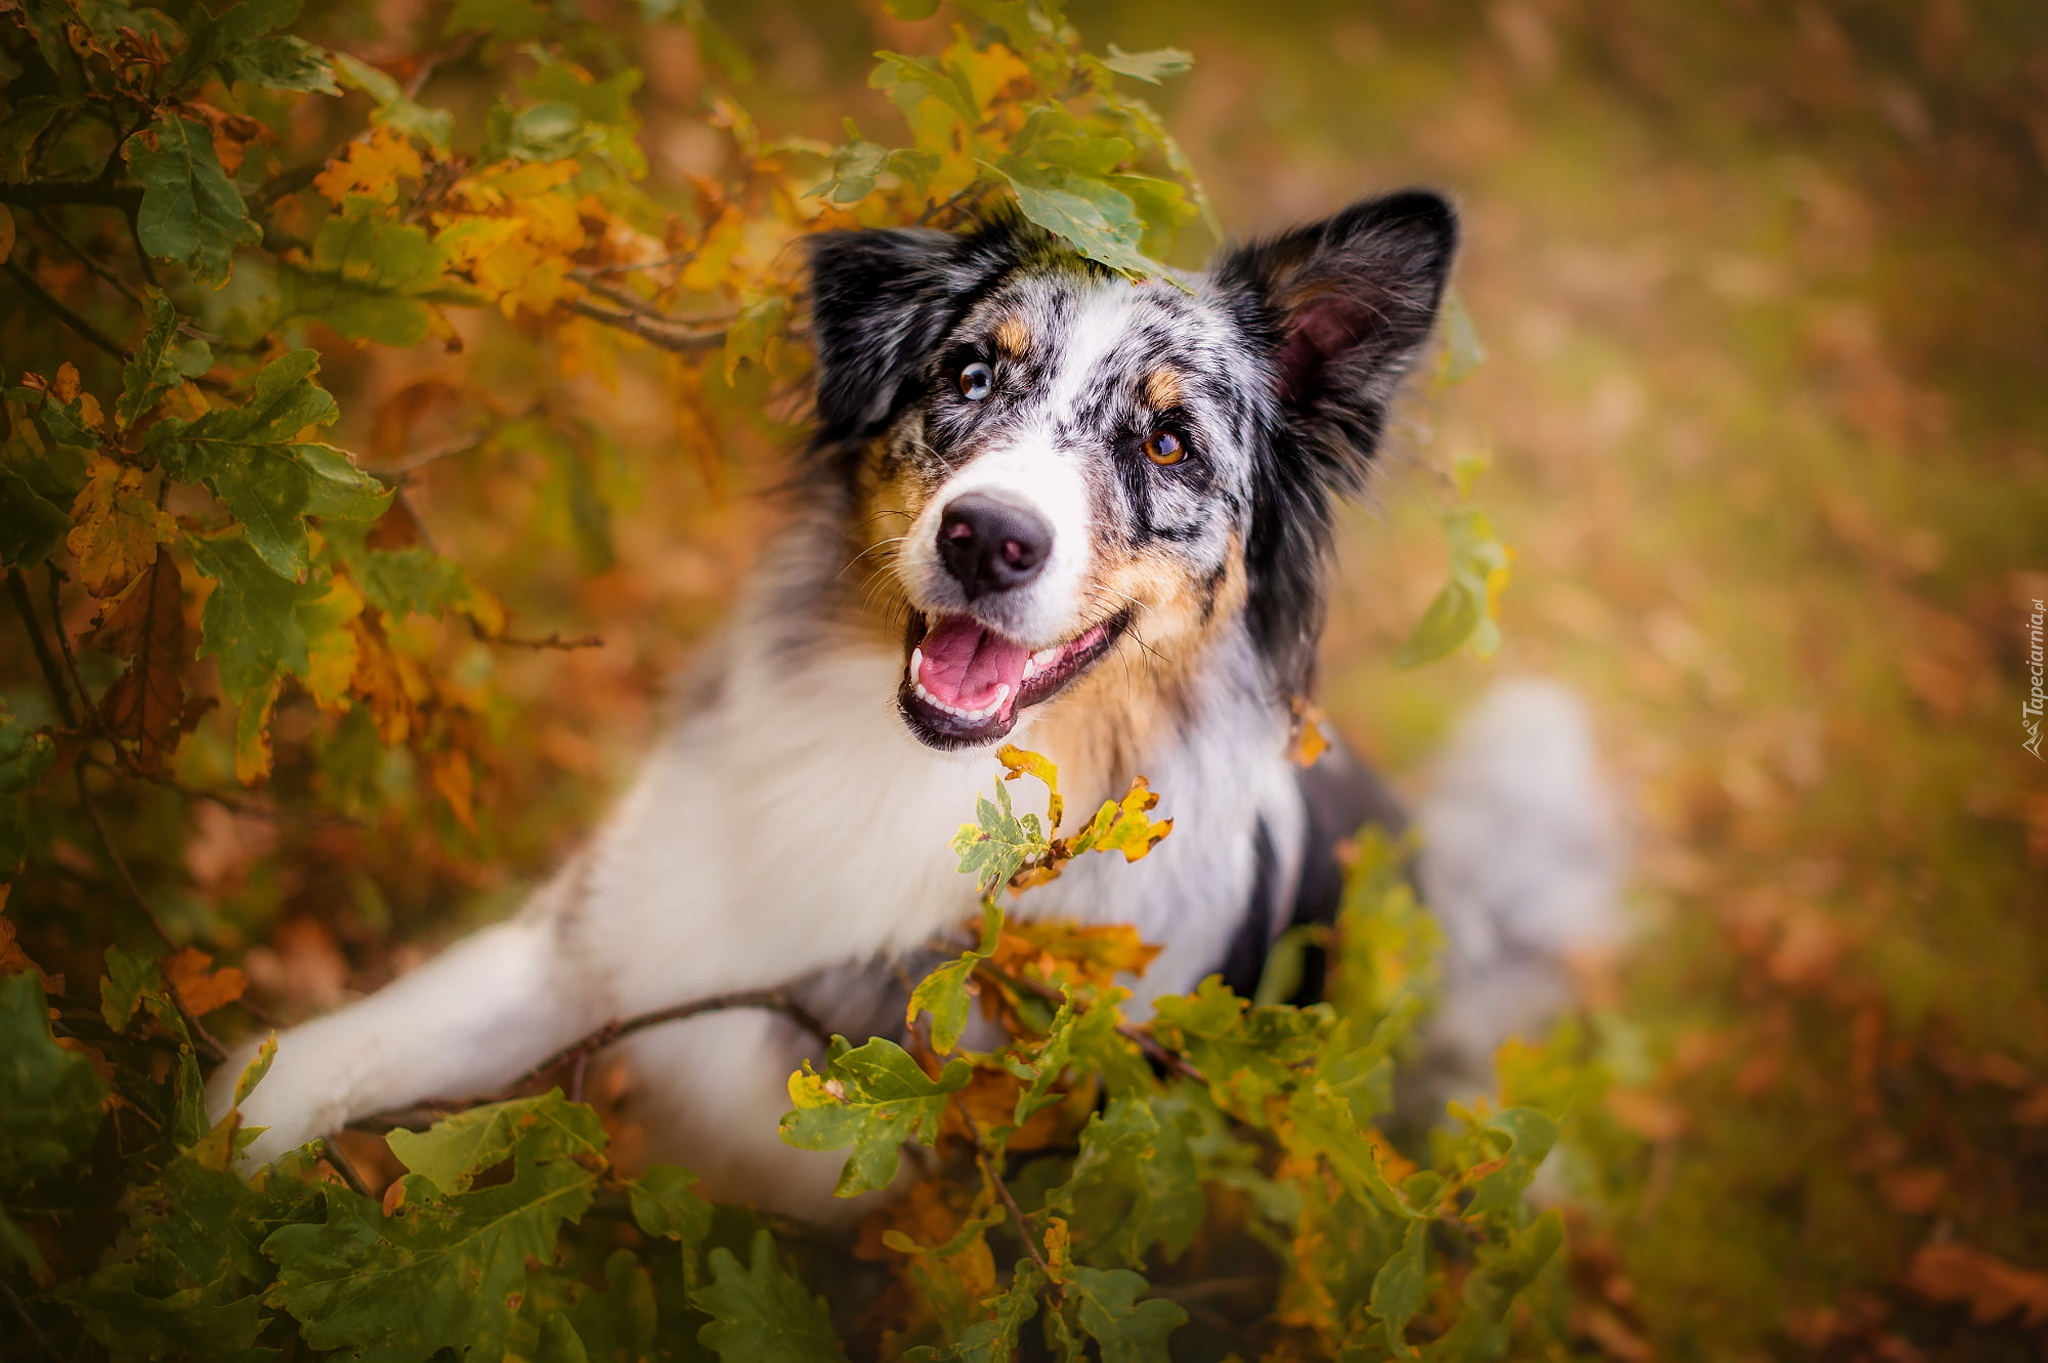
{"points": [[251, 457], [456, 1149], [761, 1313], [191, 212], [943, 993], [30, 524], [1401, 1286], [1530, 1136], [49, 1098], [1502, 1274], [443, 1271], [1127, 1330], [1153, 66], [408, 581], [993, 1340], [162, 362], [214, 1321], [1134, 1183], [873, 1098], [1247, 1054], [366, 276], [130, 977], [241, 44], [509, 21], [913, 10], [998, 843], [23, 126], [1463, 612], [251, 621], [663, 1205], [25, 758], [394, 106]]}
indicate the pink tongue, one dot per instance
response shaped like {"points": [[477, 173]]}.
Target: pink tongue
{"points": [[964, 663]]}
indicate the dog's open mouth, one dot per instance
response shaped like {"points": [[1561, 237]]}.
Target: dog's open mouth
{"points": [[965, 683]]}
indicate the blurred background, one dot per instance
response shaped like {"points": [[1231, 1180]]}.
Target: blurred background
{"points": [[1763, 296], [1763, 291]]}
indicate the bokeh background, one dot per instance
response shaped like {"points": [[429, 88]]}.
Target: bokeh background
{"points": [[1764, 296], [1763, 291]]}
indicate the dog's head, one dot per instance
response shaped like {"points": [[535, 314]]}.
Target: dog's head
{"points": [[1050, 464]]}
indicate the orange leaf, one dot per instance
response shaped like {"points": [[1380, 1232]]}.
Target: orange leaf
{"points": [[1950, 1271], [202, 990]]}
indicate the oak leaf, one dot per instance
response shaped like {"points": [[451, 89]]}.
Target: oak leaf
{"points": [[117, 528]]}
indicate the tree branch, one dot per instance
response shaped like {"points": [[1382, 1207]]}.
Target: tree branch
{"points": [[653, 330], [60, 694], [43, 192], [34, 289], [579, 1052]]}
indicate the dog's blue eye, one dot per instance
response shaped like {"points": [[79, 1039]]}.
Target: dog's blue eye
{"points": [[976, 381]]}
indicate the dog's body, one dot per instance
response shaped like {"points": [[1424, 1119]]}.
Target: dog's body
{"points": [[1047, 506]]}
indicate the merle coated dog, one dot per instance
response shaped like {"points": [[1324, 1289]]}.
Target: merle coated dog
{"points": [[1044, 504]]}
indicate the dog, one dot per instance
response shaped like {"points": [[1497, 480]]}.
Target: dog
{"points": [[1045, 504]]}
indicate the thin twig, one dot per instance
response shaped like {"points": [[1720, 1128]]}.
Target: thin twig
{"points": [[39, 193], [36, 1331], [1129, 1031], [657, 332], [775, 1000], [61, 694], [331, 1148], [552, 641], [30, 286], [92, 262], [987, 1163], [99, 826], [92, 714], [622, 268]]}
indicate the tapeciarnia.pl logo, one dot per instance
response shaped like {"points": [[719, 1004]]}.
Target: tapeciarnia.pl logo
{"points": [[2030, 709]]}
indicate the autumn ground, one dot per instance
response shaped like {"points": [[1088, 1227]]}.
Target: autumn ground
{"points": [[1765, 302], [1763, 307]]}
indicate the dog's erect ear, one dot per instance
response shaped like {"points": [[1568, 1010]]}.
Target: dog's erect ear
{"points": [[1344, 306], [1340, 309], [880, 300]]}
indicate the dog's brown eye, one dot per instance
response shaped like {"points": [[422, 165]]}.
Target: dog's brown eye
{"points": [[976, 380], [1164, 447]]}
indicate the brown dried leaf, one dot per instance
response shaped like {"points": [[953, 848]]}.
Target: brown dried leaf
{"points": [[1950, 1271], [146, 705]]}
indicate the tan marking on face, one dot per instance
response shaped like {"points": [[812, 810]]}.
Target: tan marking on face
{"points": [[1012, 337], [1162, 389], [1103, 723], [888, 496]]}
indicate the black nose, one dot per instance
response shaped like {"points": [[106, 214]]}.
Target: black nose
{"points": [[991, 545]]}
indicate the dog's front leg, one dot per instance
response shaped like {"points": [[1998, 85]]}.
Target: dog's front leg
{"points": [[465, 1024]]}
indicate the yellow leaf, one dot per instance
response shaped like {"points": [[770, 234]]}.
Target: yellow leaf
{"points": [[331, 644], [117, 528], [1125, 825], [65, 389], [1018, 762], [370, 166], [253, 756]]}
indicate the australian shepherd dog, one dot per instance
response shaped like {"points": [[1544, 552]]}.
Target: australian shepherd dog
{"points": [[1046, 505]]}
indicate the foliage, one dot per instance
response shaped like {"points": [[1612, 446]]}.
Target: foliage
{"points": [[1089, 1172], [238, 616]]}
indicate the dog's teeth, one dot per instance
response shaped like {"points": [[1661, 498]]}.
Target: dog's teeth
{"points": [[1030, 667], [916, 665], [1002, 694]]}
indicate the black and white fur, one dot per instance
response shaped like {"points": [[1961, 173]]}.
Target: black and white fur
{"points": [[792, 828]]}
